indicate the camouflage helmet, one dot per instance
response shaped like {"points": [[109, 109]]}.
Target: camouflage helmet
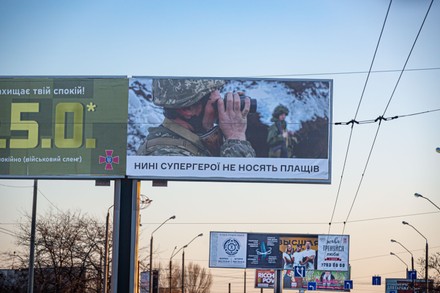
{"points": [[179, 93], [280, 109]]}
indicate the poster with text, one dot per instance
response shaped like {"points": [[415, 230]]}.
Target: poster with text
{"points": [[333, 252], [264, 278], [263, 251], [63, 127], [229, 129], [325, 280], [227, 250], [299, 250]]}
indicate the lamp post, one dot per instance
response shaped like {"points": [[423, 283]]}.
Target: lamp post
{"points": [[426, 252], [183, 261], [171, 264], [401, 261], [419, 195], [150, 283], [412, 258]]}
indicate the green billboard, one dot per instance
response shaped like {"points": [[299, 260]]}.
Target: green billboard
{"points": [[63, 127]]}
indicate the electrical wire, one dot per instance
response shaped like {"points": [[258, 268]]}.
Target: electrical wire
{"points": [[386, 107], [356, 113]]}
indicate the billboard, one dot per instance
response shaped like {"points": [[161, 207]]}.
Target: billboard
{"points": [[63, 127], [407, 285], [166, 128], [264, 278], [311, 252], [204, 129]]}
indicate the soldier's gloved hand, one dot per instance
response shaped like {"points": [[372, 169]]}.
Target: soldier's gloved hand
{"points": [[210, 115], [233, 120]]}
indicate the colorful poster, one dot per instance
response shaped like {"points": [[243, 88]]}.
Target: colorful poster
{"points": [[325, 280], [271, 130], [299, 250], [263, 251], [63, 127], [333, 252], [264, 278], [227, 250]]}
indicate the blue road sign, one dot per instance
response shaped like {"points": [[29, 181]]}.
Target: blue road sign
{"points": [[311, 286], [376, 280], [412, 275], [300, 271], [348, 284]]}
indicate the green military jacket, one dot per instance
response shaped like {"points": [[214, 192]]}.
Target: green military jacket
{"points": [[171, 139]]}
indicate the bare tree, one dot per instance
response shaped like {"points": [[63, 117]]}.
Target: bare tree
{"points": [[197, 279], [434, 266], [69, 252]]}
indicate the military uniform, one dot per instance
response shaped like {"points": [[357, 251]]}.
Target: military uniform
{"points": [[278, 144], [172, 139]]}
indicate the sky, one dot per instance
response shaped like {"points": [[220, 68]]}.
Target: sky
{"points": [[372, 183]]}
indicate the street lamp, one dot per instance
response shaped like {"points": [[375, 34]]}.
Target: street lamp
{"points": [[412, 258], [419, 195], [426, 253], [183, 261], [150, 283], [400, 260], [171, 263]]}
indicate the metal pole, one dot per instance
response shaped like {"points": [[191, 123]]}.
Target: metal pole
{"points": [[229, 288], [32, 248], [107, 219], [171, 263], [244, 287], [426, 267], [183, 271], [150, 281]]}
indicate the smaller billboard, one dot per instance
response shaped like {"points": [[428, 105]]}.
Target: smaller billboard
{"points": [[279, 251], [264, 278], [325, 280], [407, 286], [227, 250]]}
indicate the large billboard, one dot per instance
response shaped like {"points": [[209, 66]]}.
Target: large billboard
{"points": [[63, 127], [240, 129], [167, 128], [303, 258], [279, 251]]}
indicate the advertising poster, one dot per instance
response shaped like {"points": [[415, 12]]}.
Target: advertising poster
{"points": [[407, 286], [227, 250], [325, 280], [333, 252], [263, 251], [299, 250], [63, 127], [216, 129], [264, 278]]}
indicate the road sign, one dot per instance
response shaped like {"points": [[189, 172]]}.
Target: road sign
{"points": [[311, 286], [412, 275], [376, 280], [300, 271], [348, 284]]}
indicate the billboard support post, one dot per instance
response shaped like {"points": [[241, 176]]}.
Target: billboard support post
{"points": [[126, 214]]}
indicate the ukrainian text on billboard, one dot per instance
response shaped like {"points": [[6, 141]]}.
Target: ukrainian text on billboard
{"points": [[59, 127], [227, 250], [333, 252], [229, 129], [326, 280], [279, 251]]}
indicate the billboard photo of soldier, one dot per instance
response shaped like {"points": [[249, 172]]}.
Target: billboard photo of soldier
{"points": [[257, 120]]}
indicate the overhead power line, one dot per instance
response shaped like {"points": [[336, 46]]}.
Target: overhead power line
{"points": [[386, 108]]}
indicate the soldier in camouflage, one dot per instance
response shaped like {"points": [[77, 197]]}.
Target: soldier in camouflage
{"points": [[191, 110]]}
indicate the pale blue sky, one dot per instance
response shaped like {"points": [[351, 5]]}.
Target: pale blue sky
{"points": [[264, 39]]}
